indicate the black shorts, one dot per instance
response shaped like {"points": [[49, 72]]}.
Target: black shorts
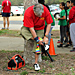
{"points": [[5, 14]]}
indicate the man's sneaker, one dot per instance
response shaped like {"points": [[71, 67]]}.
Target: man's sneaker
{"points": [[67, 45], [61, 45], [3, 29], [65, 41], [70, 44], [37, 67], [72, 50]]}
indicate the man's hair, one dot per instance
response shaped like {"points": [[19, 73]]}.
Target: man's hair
{"points": [[41, 1], [38, 9], [73, 1], [68, 1]]}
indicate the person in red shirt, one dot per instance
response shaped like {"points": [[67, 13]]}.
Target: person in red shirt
{"points": [[6, 7], [34, 23], [72, 24]]}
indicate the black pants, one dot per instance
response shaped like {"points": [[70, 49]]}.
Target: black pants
{"points": [[63, 34]]}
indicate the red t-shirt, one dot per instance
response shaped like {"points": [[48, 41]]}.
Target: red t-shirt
{"points": [[6, 6], [31, 20], [72, 15]]}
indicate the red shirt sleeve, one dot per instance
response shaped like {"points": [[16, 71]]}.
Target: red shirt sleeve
{"points": [[3, 3], [28, 22], [48, 17]]}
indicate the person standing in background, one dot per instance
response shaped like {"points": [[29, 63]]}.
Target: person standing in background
{"points": [[72, 24], [6, 8], [63, 24], [68, 28]]}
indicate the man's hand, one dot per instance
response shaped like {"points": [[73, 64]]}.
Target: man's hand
{"points": [[45, 40], [40, 42]]}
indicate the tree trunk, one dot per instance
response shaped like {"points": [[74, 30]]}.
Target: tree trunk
{"points": [[28, 3], [29, 57]]}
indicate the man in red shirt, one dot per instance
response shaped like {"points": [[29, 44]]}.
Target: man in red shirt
{"points": [[6, 7], [34, 23], [72, 24]]}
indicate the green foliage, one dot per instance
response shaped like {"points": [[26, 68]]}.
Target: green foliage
{"points": [[19, 2], [54, 1], [14, 2]]}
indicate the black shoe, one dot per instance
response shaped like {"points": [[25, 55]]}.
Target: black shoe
{"points": [[70, 44], [65, 41], [67, 45], [72, 50], [61, 45]]}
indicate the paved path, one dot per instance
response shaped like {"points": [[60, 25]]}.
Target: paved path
{"points": [[13, 22], [16, 23], [16, 43]]}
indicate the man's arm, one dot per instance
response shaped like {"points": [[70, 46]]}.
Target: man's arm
{"points": [[34, 35], [33, 32], [46, 34]]}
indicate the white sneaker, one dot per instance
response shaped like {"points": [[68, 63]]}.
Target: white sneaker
{"points": [[37, 67]]}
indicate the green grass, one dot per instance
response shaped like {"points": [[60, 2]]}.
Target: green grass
{"points": [[14, 33], [51, 66], [45, 58], [62, 74], [3, 51], [24, 73], [42, 71]]}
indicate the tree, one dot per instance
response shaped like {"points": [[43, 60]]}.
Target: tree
{"points": [[29, 57], [28, 3]]}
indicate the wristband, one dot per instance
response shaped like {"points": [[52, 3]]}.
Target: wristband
{"points": [[46, 36], [36, 39]]}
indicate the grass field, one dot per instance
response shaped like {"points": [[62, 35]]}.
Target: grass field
{"points": [[16, 33], [11, 33]]}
